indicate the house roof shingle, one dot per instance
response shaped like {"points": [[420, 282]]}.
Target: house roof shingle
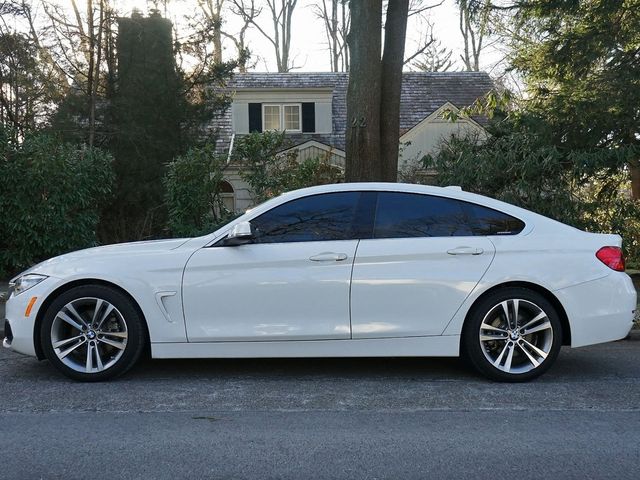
{"points": [[422, 94]]}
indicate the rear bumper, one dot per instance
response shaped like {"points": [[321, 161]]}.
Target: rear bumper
{"points": [[600, 310]]}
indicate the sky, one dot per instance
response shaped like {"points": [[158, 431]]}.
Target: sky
{"points": [[308, 37], [309, 48]]}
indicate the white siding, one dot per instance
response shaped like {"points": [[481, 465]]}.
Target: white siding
{"points": [[425, 137]]}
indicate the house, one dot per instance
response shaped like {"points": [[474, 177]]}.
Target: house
{"points": [[312, 109]]}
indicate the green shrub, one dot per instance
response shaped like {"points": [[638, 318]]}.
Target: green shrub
{"points": [[50, 198], [520, 165], [192, 184], [622, 216], [270, 169]]}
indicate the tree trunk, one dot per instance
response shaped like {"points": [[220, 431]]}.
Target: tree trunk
{"points": [[391, 86], [90, 81], [335, 53], [363, 93], [217, 41], [635, 180], [96, 77]]}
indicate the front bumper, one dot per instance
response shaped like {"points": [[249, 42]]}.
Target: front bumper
{"points": [[600, 310], [19, 322]]}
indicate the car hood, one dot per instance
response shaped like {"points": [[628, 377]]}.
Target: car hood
{"points": [[119, 252]]}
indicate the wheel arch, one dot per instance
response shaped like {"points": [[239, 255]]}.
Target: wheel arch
{"points": [[37, 340], [547, 294]]}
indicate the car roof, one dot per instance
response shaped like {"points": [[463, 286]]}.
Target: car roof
{"points": [[530, 218], [450, 192]]}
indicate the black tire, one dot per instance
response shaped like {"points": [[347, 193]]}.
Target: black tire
{"points": [[490, 309], [116, 360]]}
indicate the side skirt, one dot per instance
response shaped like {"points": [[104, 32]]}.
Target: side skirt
{"points": [[433, 346]]}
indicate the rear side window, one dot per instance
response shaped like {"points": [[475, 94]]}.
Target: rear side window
{"points": [[330, 216], [405, 215], [487, 221]]}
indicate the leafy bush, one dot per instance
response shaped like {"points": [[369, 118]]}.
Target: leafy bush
{"points": [[621, 216], [50, 198], [271, 170], [519, 164], [192, 185]]}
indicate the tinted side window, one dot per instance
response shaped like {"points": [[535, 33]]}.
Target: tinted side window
{"points": [[487, 221], [401, 215], [328, 216]]}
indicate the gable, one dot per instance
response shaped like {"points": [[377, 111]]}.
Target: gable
{"points": [[314, 149], [425, 137], [439, 117]]}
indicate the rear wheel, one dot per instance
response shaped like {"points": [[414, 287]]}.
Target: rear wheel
{"points": [[512, 335], [92, 333]]}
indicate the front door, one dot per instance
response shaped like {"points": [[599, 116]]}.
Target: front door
{"points": [[291, 283]]}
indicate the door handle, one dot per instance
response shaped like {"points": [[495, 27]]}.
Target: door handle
{"points": [[328, 257], [465, 251]]}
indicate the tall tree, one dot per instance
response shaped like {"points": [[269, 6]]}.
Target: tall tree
{"points": [[395, 32], [29, 87], [81, 43], [158, 111], [31, 83], [212, 11], [208, 29], [279, 35], [248, 12], [147, 111], [335, 18], [363, 161], [373, 94], [581, 64], [474, 18]]}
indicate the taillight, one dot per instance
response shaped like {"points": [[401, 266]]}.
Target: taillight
{"points": [[612, 257]]}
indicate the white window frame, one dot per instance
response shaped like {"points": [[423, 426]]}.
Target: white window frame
{"points": [[282, 118], [299, 105], [264, 107]]}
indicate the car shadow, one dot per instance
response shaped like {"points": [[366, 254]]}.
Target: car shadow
{"points": [[308, 368]]}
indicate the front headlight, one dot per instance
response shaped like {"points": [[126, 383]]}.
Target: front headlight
{"points": [[24, 283]]}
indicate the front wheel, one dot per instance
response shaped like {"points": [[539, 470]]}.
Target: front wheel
{"points": [[512, 335], [92, 333]]}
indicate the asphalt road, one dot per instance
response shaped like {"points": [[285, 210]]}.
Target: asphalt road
{"points": [[338, 418]]}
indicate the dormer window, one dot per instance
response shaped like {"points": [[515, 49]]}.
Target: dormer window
{"points": [[287, 116], [276, 115]]}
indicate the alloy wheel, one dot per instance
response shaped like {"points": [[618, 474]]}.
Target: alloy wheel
{"points": [[516, 336], [89, 335]]}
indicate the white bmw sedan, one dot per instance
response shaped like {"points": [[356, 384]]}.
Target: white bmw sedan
{"points": [[350, 270]]}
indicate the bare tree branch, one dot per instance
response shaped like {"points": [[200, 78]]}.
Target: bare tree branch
{"points": [[280, 36]]}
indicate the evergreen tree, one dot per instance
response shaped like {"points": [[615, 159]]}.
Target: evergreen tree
{"points": [[146, 112], [581, 64]]}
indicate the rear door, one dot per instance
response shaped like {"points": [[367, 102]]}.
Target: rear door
{"points": [[419, 267]]}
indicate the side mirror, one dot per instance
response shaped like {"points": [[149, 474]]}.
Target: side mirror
{"points": [[240, 234]]}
